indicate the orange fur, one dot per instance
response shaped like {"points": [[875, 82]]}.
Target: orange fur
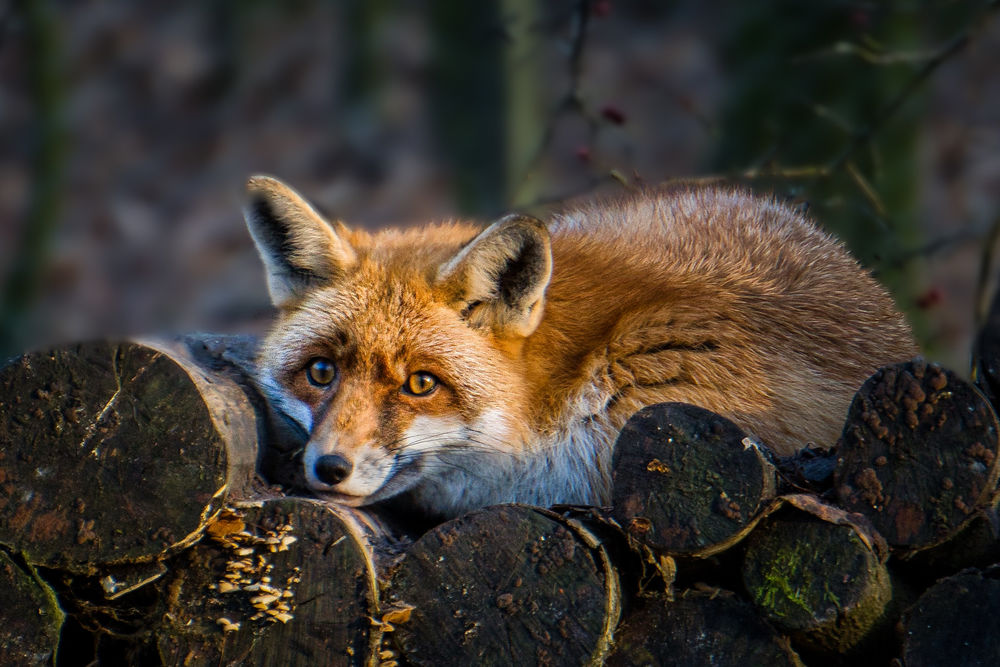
{"points": [[707, 296]]}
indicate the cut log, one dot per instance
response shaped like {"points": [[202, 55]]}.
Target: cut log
{"points": [[817, 574], [977, 544], [955, 622], [699, 628], [281, 582], [234, 358], [687, 481], [117, 452], [918, 455], [505, 585], [30, 617]]}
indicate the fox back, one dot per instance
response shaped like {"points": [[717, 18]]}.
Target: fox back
{"points": [[460, 366]]}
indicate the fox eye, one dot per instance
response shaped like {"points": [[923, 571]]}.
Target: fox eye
{"points": [[321, 372], [420, 383]]}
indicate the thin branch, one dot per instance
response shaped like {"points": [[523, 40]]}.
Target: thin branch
{"points": [[954, 46], [862, 137], [941, 244]]}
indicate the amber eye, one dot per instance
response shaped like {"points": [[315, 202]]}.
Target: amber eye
{"points": [[420, 383], [321, 372]]}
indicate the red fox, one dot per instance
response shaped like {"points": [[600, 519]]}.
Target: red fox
{"points": [[465, 366]]}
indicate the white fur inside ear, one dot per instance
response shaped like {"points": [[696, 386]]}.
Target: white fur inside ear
{"points": [[502, 275]]}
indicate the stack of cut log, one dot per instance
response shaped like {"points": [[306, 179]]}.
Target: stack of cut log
{"points": [[136, 527]]}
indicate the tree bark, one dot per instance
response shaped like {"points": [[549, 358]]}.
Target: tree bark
{"points": [[986, 354]]}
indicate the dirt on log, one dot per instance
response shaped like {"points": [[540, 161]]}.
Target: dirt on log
{"points": [[918, 455]]}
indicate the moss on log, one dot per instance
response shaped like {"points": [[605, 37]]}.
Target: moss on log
{"points": [[31, 617], [687, 481], [815, 573]]}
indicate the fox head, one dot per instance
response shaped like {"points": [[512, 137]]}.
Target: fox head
{"points": [[398, 352]]}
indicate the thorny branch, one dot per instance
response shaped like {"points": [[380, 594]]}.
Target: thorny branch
{"points": [[863, 136]]}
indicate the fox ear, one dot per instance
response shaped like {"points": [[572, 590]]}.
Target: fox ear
{"points": [[299, 248], [498, 280]]}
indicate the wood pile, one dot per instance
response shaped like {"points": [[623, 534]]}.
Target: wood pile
{"points": [[146, 517]]}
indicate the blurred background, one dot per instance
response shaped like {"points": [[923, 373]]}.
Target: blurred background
{"points": [[129, 128]]}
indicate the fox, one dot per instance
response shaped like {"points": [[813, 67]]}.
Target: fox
{"points": [[455, 365]]}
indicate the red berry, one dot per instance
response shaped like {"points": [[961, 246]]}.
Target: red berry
{"points": [[613, 114], [930, 298], [602, 8]]}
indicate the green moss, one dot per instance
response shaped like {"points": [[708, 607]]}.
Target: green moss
{"points": [[776, 592]]}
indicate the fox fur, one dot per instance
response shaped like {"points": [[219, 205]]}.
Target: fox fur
{"points": [[541, 339]]}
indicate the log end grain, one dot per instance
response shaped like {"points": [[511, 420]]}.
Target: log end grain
{"points": [[505, 585], [687, 481], [107, 453], [281, 582], [918, 455], [820, 581], [955, 622], [698, 629]]}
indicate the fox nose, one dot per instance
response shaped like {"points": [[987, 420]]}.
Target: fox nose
{"points": [[332, 469]]}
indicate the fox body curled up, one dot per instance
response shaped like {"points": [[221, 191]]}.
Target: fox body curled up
{"points": [[465, 366]]}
